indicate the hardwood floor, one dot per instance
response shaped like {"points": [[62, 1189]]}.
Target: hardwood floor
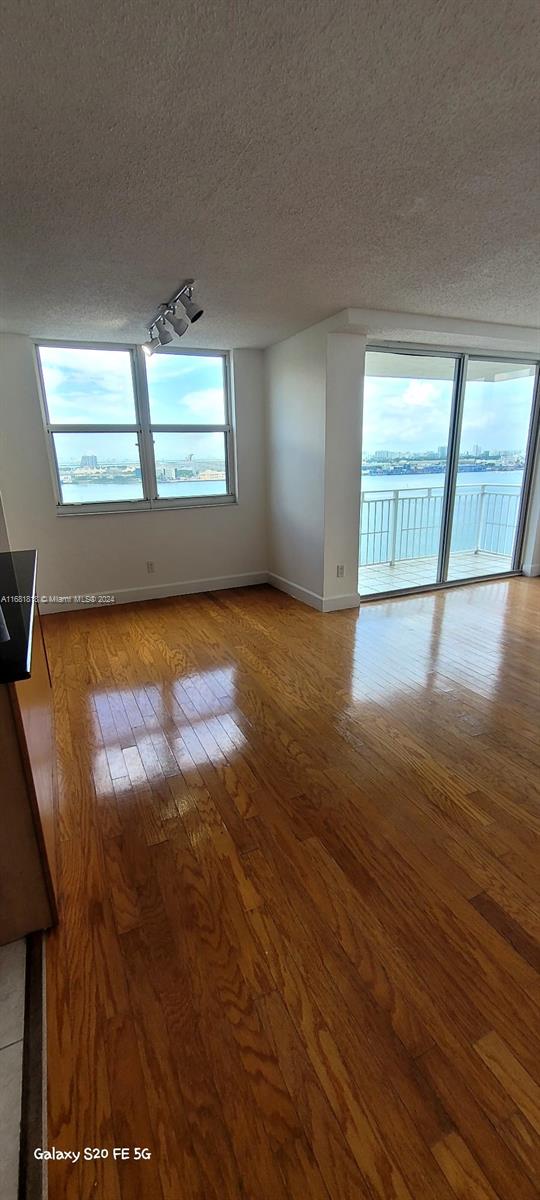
{"points": [[299, 941]]}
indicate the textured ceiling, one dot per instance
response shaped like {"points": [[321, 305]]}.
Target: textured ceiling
{"points": [[296, 158]]}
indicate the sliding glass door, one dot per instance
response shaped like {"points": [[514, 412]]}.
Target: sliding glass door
{"points": [[407, 415], [493, 438], [447, 443]]}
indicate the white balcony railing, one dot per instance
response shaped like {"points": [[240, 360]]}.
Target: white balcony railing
{"points": [[405, 523]]}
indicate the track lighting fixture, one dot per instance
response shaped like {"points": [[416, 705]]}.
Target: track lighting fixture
{"points": [[159, 334]]}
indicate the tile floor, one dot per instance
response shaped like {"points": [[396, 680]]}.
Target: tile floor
{"points": [[417, 572], [12, 978]]}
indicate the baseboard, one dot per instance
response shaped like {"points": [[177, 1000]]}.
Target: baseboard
{"points": [[297, 592], [534, 569], [323, 604], [192, 586], [337, 603], [154, 592]]}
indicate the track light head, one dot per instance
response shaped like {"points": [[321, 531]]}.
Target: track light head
{"points": [[151, 345], [192, 309], [164, 335], [179, 324]]}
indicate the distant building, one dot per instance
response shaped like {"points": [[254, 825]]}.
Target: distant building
{"points": [[442, 451], [89, 460]]}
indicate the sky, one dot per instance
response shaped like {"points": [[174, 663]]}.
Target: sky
{"points": [[400, 414], [414, 414], [85, 386]]}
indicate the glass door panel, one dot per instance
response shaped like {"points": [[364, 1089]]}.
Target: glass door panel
{"points": [[407, 408], [491, 463]]}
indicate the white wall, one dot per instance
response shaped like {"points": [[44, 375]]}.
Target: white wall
{"points": [[313, 446], [295, 434], [192, 548], [345, 364]]}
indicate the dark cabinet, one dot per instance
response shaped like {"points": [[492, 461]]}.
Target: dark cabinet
{"points": [[28, 788]]}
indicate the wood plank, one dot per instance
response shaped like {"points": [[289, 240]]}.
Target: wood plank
{"points": [[517, 1081], [462, 1172], [504, 923], [524, 1143]]}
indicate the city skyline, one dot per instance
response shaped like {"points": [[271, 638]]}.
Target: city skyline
{"points": [[440, 453], [388, 455]]}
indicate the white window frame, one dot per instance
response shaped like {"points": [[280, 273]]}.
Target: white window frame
{"points": [[144, 430]]}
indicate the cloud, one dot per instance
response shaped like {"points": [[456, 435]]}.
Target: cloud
{"points": [[414, 415], [88, 386], [198, 407], [186, 389], [421, 393]]}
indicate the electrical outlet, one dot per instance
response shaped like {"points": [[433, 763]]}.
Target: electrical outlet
{"points": [[150, 566], [340, 570]]}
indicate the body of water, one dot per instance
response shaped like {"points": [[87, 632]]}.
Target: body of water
{"points": [[113, 490], [387, 483]]}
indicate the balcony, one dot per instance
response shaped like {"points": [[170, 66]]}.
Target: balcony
{"points": [[400, 533]]}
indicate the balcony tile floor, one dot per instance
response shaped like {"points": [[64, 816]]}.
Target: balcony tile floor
{"points": [[418, 572]]}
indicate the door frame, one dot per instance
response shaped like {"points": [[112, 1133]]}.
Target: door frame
{"points": [[462, 357]]}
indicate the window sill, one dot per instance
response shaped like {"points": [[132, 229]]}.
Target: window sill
{"points": [[120, 508]]}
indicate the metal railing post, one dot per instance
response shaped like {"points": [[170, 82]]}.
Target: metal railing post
{"points": [[480, 521], [393, 526], [428, 517]]}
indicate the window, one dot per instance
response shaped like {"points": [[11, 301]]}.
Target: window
{"points": [[130, 432], [187, 401]]}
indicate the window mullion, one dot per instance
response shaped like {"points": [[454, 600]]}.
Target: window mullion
{"points": [[148, 464], [55, 469], [93, 428], [155, 428], [230, 464]]}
